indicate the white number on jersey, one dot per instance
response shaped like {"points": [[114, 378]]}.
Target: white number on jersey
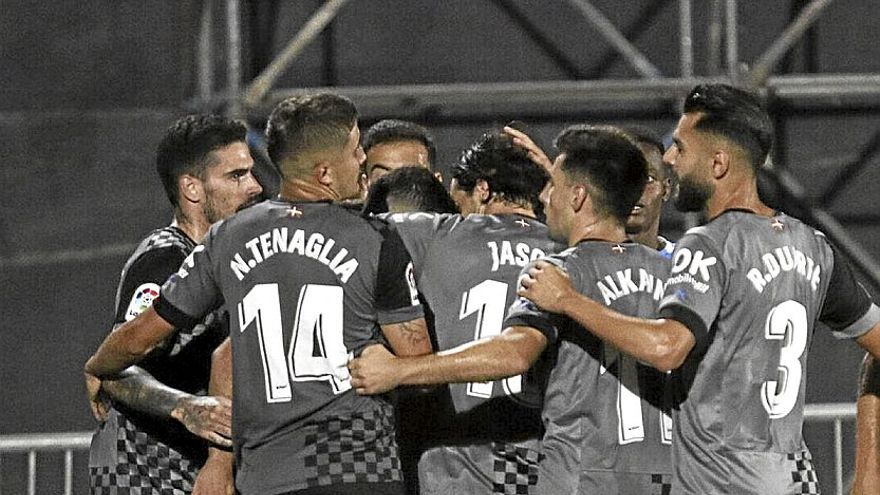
{"points": [[630, 425], [489, 300], [317, 351], [786, 322]]}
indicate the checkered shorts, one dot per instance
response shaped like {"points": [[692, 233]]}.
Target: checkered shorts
{"points": [[804, 474], [143, 467], [515, 470], [360, 448]]}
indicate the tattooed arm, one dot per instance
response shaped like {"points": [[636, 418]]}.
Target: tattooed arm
{"points": [[409, 338], [207, 417]]}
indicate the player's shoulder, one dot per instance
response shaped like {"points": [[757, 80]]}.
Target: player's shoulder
{"points": [[168, 242], [167, 237]]}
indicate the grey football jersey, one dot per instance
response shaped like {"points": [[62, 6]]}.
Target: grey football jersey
{"points": [[466, 269], [307, 286], [604, 412], [751, 288]]}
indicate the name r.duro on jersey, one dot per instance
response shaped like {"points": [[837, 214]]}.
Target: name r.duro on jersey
{"points": [[277, 241]]}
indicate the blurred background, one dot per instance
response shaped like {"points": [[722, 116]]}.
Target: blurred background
{"points": [[88, 88]]}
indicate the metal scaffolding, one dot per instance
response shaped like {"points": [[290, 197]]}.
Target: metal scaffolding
{"points": [[652, 94]]}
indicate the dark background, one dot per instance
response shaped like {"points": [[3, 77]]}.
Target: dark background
{"points": [[89, 87]]}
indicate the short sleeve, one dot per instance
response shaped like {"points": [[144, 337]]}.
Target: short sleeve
{"points": [[191, 293], [696, 285], [524, 313], [141, 281], [397, 299], [848, 308]]}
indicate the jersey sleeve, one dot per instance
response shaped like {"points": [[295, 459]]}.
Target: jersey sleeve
{"points": [[142, 280], [397, 299], [191, 293], [696, 285], [848, 308], [525, 313]]}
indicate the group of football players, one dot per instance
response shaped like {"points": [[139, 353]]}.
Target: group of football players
{"points": [[528, 331]]}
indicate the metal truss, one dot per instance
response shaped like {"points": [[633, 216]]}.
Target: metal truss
{"points": [[650, 95]]}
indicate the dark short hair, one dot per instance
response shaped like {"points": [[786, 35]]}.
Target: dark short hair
{"points": [[610, 161], [415, 186], [392, 131], [506, 168], [734, 114], [306, 123], [643, 135], [187, 144]]}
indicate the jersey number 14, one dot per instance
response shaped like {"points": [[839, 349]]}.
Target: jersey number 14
{"points": [[317, 351]]}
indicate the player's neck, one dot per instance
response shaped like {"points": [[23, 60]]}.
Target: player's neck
{"points": [[505, 208], [194, 226], [647, 237], [742, 195], [295, 189], [598, 230]]}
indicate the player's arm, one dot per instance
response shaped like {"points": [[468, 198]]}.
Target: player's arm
{"points": [[129, 344], [206, 417], [867, 475], [661, 343], [511, 353], [216, 476]]}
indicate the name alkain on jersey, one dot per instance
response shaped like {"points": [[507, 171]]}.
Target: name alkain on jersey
{"points": [[622, 284], [277, 241], [782, 260]]}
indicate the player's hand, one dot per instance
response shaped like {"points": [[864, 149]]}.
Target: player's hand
{"points": [[536, 154], [373, 372], [547, 286], [97, 400], [215, 477], [207, 417]]}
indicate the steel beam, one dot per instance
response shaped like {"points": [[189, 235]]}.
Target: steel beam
{"points": [[850, 171], [205, 57], [565, 98], [641, 23], [263, 83], [686, 37], [606, 28], [764, 65], [732, 41], [559, 57], [233, 57]]}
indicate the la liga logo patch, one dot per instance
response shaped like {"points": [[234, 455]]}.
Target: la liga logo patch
{"points": [[142, 299]]}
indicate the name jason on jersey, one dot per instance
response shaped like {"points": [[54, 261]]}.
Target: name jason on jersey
{"points": [[277, 241], [783, 260], [506, 253]]}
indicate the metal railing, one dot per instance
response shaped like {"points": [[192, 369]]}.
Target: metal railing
{"points": [[32, 443], [70, 442]]}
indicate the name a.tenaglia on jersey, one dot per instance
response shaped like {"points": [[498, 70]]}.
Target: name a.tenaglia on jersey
{"points": [[782, 260], [278, 241]]}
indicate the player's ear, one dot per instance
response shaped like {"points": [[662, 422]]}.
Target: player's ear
{"points": [[720, 162], [482, 191], [324, 173], [667, 188], [578, 197], [439, 177], [191, 188]]}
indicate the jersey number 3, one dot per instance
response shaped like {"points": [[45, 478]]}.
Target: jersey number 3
{"points": [[786, 322], [317, 351]]}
